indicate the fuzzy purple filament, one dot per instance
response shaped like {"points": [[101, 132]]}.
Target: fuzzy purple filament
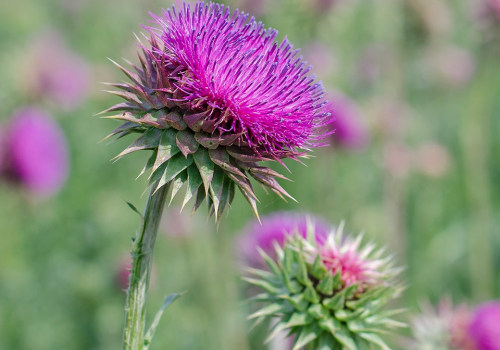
{"points": [[230, 68]]}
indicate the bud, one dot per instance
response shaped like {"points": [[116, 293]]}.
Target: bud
{"points": [[328, 294]]}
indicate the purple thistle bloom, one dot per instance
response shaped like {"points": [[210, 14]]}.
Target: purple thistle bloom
{"points": [[214, 95], [36, 151], [350, 132], [275, 228], [233, 71], [484, 328]]}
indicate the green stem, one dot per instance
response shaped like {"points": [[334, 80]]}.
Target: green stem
{"points": [[142, 255]]}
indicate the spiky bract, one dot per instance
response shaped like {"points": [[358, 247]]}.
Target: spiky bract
{"points": [[329, 295], [214, 95]]}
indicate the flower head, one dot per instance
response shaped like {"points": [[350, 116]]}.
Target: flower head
{"points": [[330, 293], [36, 151], [444, 327], [215, 94], [275, 229], [484, 327]]}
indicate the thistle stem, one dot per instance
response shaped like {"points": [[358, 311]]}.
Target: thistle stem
{"points": [[142, 255]]}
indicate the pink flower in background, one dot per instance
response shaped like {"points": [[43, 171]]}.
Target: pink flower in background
{"points": [[57, 73], [484, 328], [36, 151], [432, 159], [350, 131], [275, 228]]}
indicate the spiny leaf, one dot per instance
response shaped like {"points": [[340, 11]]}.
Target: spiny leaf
{"points": [[152, 329], [193, 183], [306, 335], [149, 140], [177, 184], [220, 157], [205, 167], [200, 197], [375, 339], [131, 206], [186, 142], [167, 148], [175, 165], [216, 187]]}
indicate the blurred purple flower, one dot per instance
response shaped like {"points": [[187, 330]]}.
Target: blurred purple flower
{"points": [[275, 228], [484, 328], [350, 131], [36, 151], [57, 73]]}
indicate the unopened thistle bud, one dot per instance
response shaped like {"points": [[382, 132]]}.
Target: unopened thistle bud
{"points": [[214, 95], [329, 295]]}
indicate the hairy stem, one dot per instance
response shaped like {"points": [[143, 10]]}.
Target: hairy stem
{"points": [[142, 255]]}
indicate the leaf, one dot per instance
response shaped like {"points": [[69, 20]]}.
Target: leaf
{"points": [[306, 335], [186, 142], [269, 310], [375, 339], [149, 164], [216, 187], [131, 206], [149, 140], [205, 167], [220, 157], [200, 197], [175, 165], [152, 329], [167, 148], [344, 338], [325, 286], [193, 183], [177, 184]]}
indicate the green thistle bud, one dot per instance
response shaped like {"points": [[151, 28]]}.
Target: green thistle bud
{"points": [[329, 294]]}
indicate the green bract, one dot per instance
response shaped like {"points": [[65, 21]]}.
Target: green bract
{"points": [[314, 303]]}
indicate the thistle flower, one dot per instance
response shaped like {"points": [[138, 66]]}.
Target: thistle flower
{"points": [[275, 229], [329, 295], [484, 328], [36, 152], [444, 327], [214, 95]]}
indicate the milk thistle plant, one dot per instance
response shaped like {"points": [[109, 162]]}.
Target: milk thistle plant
{"points": [[328, 295], [214, 95]]}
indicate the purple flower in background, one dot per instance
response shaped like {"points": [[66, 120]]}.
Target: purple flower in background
{"points": [[350, 132], [484, 328], [36, 151], [57, 73], [276, 228]]}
